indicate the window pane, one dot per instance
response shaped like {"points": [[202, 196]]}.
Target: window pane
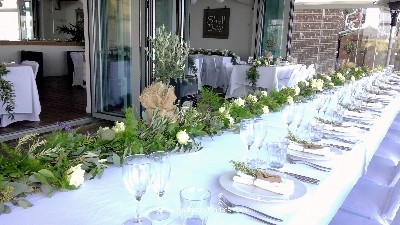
{"points": [[9, 26]]}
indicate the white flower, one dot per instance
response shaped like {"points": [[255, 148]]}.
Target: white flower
{"points": [[76, 175], [239, 102], [265, 110], [331, 84], [182, 137], [352, 78], [119, 127], [230, 119], [264, 93], [258, 62], [222, 110], [102, 160], [356, 69], [290, 100], [313, 83], [297, 90], [328, 78], [319, 84], [305, 83], [102, 129], [252, 98]]}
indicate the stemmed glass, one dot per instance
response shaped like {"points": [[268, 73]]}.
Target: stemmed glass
{"points": [[136, 172], [288, 115], [160, 178], [247, 135], [260, 131]]}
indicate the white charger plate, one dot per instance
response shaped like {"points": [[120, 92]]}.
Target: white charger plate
{"points": [[259, 194]]}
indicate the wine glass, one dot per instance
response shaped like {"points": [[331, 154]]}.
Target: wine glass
{"points": [[160, 178], [260, 131], [136, 172], [247, 135], [288, 115]]}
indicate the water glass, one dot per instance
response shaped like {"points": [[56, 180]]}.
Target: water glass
{"points": [[247, 135], [316, 131], [338, 113], [277, 153], [195, 205], [260, 131]]}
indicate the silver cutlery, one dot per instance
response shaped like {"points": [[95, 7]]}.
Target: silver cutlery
{"points": [[300, 177], [338, 139], [233, 205], [341, 147], [310, 164], [356, 121], [231, 211]]}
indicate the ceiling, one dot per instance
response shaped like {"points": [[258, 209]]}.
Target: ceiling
{"points": [[338, 4]]}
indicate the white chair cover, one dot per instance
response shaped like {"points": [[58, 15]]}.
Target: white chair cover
{"points": [[33, 64], [295, 76], [79, 68], [382, 171], [373, 201], [209, 73], [343, 217], [389, 147], [311, 71]]}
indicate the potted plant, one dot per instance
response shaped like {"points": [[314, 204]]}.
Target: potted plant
{"points": [[169, 53]]}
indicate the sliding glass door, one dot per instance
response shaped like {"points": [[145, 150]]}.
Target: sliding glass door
{"points": [[120, 30]]}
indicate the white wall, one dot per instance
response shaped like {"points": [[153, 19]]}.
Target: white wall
{"points": [[54, 57], [240, 30]]}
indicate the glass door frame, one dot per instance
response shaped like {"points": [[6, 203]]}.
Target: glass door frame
{"points": [[136, 59]]}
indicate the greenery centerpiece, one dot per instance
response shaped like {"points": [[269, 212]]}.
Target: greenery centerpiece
{"points": [[6, 92]]}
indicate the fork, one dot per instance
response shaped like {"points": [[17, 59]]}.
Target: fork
{"points": [[310, 164], [233, 205], [231, 211], [338, 139]]}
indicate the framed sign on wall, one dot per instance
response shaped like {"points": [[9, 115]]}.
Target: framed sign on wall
{"points": [[216, 23]]}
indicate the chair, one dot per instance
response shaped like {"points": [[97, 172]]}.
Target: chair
{"points": [[382, 171], [293, 78], [34, 56], [376, 204], [390, 147], [310, 71], [209, 73], [79, 69], [33, 64]]}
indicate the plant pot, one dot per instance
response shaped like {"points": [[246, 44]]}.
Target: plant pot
{"points": [[186, 89]]}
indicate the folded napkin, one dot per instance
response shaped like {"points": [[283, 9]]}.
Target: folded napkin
{"points": [[243, 180], [286, 187], [324, 151]]}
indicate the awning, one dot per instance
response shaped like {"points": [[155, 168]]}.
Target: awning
{"points": [[335, 4]]}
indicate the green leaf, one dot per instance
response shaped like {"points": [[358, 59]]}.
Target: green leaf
{"points": [[40, 178], [4, 209], [116, 159], [24, 203], [47, 190], [46, 173], [19, 188]]}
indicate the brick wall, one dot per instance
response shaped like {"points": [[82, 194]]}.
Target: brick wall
{"points": [[315, 37]]}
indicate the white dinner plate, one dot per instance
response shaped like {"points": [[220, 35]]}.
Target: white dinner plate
{"points": [[259, 194], [305, 155]]}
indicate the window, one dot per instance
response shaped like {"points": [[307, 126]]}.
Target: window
{"points": [[16, 20]]}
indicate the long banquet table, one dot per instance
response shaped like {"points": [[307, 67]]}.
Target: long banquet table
{"points": [[106, 201], [269, 78], [27, 104]]}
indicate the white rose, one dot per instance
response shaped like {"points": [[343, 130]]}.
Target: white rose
{"points": [[356, 69], [331, 84], [119, 127], [352, 78], [76, 176], [102, 160], [305, 83], [264, 93], [230, 119], [239, 102], [222, 110], [265, 110], [252, 98], [297, 90], [313, 83], [290, 100], [182, 137], [259, 62], [328, 78]]}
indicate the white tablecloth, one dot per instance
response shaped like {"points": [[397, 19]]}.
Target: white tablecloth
{"points": [[105, 201], [27, 104], [269, 78]]}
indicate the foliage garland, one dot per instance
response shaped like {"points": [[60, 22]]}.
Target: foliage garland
{"points": [[6, 92], [252, 74], [219, 52], [50, 163]]}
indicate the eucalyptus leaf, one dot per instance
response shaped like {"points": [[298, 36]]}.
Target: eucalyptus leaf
{"points": [[24, 203], [2, 208], [47, 190], [116, 159], [19, 188], [40, 178], [46, 173], [7, 209]]}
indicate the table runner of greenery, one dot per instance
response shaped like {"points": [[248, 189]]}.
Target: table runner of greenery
{"points": [[219, 52], [6, 91], [63, 159]]}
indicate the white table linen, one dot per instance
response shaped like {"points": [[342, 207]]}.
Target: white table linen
{"points": [[106, 201], [269, 78], [27, 104]]}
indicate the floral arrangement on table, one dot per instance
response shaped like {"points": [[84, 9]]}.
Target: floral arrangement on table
{"points": [[63, 159], [219, 52], [6, 92], [252, 74]]}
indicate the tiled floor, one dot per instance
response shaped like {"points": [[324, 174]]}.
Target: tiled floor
{"points": [[60, 102]]}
